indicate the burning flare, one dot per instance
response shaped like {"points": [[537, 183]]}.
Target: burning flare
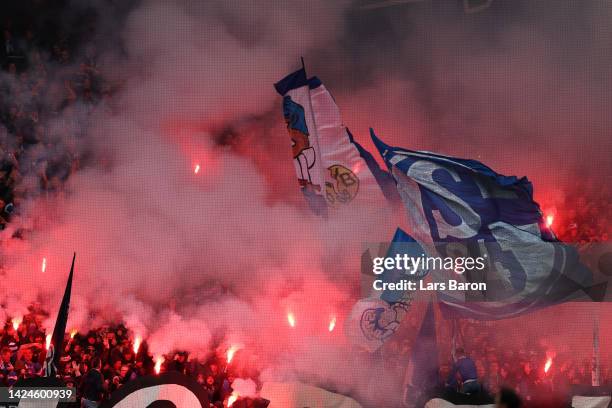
{"points": [[16, 322], [548, 364], [332, 324], [196, 170], [291, 319], [137, 342], [232, 398], [43, 267], [549, 220], [158, 363], [73, 333], [230, 353], [48, 341]]}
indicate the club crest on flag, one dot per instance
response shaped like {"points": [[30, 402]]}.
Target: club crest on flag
{"points": [[382, 321], [345, 186], [332, 168], [373, 320]]}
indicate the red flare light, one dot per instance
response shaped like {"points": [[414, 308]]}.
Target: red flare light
{"points": [[291, 319], [43, 267], [48, 341], [16, 321], [73, 333], [332, 324], [230, 353], [158, 363], [196, 169], [549, 220], [137, 342], [232, 398], [548, 364]]}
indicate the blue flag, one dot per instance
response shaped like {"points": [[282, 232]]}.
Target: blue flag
{"points": [[377, 317], [462, 206], [402, 244]]}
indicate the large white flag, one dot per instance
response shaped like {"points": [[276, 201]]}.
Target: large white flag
{"points": [[332, 168]]}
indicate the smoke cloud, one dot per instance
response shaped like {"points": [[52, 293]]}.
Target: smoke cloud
{"points": [[189, 260]]}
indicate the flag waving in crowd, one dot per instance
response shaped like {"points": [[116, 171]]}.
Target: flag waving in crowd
{"points": [[59, 331], [455, 208], [378, 316], [334, 172], [332, 168], [459, 206]]}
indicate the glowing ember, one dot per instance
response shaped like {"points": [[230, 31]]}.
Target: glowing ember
{"points": [[232, 399], [291, 319], [16, 322], [158, 363], [48, 341], [137, 342], [548, 364], [549, 220], [43, 268], [73, 333], [332, 324], [196, 170], [230, 353]]}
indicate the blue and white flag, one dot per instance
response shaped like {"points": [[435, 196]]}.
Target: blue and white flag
{"points": [[333, 170], [462, 207], [378, 316]]}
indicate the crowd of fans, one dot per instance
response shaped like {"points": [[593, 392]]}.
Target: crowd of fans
{"points": [[46, 95], [49, 84], [507, 363], [524, 367], [111, 351], [585, 220]]}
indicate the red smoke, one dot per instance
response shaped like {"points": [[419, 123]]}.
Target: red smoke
{"points": [[234, 252]]}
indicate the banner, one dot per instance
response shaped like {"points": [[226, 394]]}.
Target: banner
{"points": [[460, 207], [333, 170]]}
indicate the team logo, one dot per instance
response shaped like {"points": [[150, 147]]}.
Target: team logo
{"points": [[344, 187], [379, 323]]}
